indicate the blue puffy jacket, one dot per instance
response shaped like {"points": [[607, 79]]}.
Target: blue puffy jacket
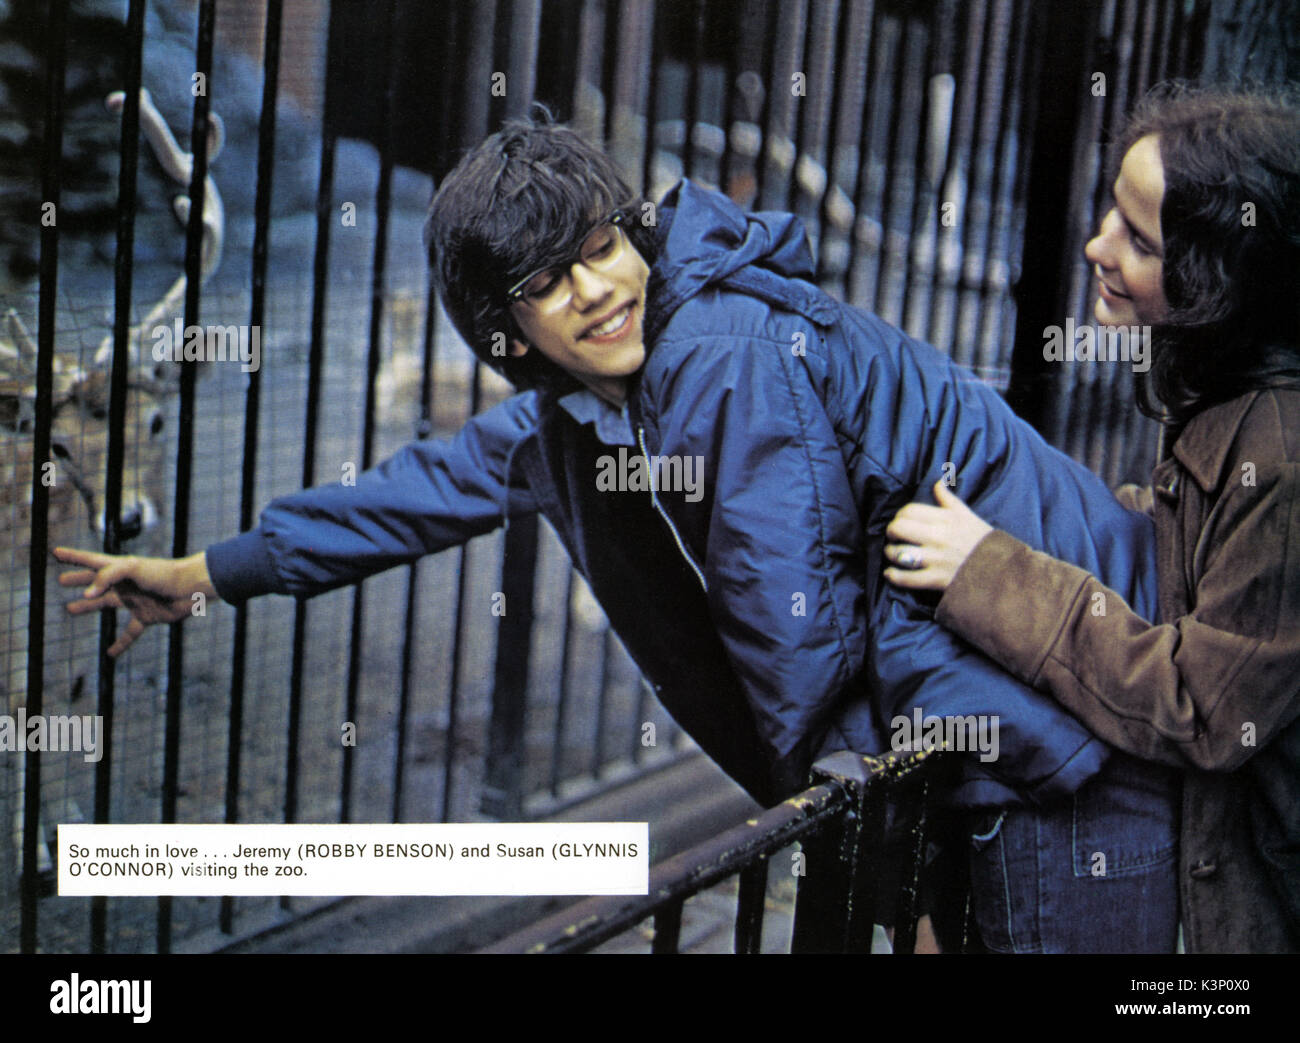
{"points": [[815, 422]]}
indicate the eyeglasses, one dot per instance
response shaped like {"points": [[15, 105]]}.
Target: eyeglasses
{"points": [[551, 288]]}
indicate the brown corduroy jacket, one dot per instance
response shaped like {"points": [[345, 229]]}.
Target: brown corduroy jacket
{"points": [[1214, 686]]}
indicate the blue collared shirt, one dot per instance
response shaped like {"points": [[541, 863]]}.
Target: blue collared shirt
{"points": [[613, 426]]}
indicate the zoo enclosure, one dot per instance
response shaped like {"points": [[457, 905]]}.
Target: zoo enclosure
{"points": [[929, 146]]}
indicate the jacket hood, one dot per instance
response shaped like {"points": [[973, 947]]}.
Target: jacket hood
{"points": [[706, 240]]}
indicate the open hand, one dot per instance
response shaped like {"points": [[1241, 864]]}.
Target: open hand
{"points": [[928, 544], [153, 590]]}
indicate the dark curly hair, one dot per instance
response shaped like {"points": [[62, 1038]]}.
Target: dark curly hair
{"points": [[1230, 222], [519, 201]]}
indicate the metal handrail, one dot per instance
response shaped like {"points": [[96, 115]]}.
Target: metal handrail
{"points": [[839, 823]]}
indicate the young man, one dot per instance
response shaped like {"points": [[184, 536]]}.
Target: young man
{"points": [[720, 445]]}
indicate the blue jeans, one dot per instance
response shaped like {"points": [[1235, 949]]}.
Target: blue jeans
{"points": [[1096, 873]]}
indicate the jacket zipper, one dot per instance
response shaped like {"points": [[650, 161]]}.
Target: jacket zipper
{"points": [[640, 438]]}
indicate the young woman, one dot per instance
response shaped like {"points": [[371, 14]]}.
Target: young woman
{"points": [[1203, 245]]}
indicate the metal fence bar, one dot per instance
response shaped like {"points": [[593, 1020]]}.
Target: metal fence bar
{"points": [[409, 610], [194, 232], [1001, 265], [438, 161], [116, 448], [729, 90], [1118, 408], [379, 265], [979, 89], [602, 703], [467, 133], [839, 823], [691, 116], [908, 898], [900, 197], [749, 907], [611, 15], [453, 690], [424, 428], [457, 661], [668, 928], [827, 859], [770, 37], [315, 373], [817, 86], [847, 163], [928, 156], [525, 28], [652, 101], [864, 265], [800, 104], [503, 791], [839, 83], [989, 145], [782, 129], [51, 193], [866, 240], [596, 920], [959, 59], [555, 27], [252, 406], [562, 696], [1146, 42], [1191, 38], [1088, 412], [1038, 293]]}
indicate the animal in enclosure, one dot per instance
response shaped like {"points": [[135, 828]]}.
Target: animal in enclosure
{"points": [[178, 165], [77, 475]]}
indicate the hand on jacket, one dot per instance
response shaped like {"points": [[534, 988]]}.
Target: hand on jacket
{"points": [[1136, 498], [931, 543], [153, 590]]}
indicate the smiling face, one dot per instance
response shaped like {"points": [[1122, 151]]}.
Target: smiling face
{"points": [[1127, 253], [595, 334]]}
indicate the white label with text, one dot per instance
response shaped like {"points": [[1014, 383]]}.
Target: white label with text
{"points": [[498, 858]]}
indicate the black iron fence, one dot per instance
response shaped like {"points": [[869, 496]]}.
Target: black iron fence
{"points": [[862, 830], [945, 154]]}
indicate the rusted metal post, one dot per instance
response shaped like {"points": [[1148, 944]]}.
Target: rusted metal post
{"points": [[836, 899]]}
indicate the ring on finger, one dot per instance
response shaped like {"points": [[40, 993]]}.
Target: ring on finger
{"points": [[909, 558]]}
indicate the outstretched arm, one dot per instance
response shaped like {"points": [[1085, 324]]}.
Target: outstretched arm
{"points": [[429, 496]]}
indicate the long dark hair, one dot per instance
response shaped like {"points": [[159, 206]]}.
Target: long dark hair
{"points": [[1230, 222]]}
